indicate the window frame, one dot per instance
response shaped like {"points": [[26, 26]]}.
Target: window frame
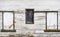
{"points": [[49, 30], [5, 30]]}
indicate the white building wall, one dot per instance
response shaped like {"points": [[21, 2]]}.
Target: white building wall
{"points": [[19, 7], [36, 4]]}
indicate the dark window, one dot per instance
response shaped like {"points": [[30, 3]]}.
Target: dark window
{"points": [[29, 16]]}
